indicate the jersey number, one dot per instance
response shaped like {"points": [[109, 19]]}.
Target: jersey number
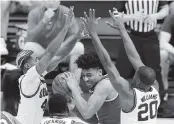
{"points": [[43, 106], [153, 112]]}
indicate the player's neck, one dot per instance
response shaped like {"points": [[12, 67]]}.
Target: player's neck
{"points": [[145, 89]]}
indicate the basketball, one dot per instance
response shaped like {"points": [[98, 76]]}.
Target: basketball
{"points": [[60, 86]]}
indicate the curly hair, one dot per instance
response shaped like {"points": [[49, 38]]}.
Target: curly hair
{"points": [[147, 75], [89, 60]]}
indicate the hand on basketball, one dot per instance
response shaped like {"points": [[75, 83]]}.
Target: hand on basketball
{"points": [[117, 18], [90, 21], [70, 80], [69, 17]]}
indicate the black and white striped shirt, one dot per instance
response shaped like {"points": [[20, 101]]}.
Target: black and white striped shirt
{"points": [[133, 6]]}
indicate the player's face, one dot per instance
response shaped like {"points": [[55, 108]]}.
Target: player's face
{"points": [[31, 61], [51, 4], [91, 76], [135, 82]]}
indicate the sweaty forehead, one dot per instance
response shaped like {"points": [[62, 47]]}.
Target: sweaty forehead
{"points": [[89, 71]]}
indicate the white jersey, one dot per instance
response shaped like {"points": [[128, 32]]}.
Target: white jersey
{"points": [[34, 97], [6, 119], [59, 121], [145, 108]]}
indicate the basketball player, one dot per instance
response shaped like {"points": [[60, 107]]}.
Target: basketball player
{"points": [[104, 100], [33, 89], [42, 29], [139, 100], [59, 85], [58, 110], [10, 96]]}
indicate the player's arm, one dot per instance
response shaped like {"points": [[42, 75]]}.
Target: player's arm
{"points": [[54, 45], [130, 49], [32, 75], [121, 85], [34, 27], [66, 46], [96, 100]]}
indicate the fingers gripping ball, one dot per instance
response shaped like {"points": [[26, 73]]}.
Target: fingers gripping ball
{"points": [[60, 86]]}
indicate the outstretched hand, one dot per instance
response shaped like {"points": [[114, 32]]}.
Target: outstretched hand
{"points": [[69, 17], [81, 32], [90, 21], [117, 18]]}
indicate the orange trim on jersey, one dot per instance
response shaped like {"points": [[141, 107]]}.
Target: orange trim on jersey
{"points": [[29, 96], [135, 102]]}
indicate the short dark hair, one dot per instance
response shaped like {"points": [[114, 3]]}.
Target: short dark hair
{"points": [[57, 103], [147, 75], [10, 88], [89, 60]]}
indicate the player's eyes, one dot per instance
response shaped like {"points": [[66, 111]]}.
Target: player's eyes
{"points": [[88, 75]]}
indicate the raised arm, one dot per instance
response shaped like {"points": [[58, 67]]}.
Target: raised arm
{"points": [[131, 51], [67, 46], [55, 44], [121, 85], [93, 104], [35, 28]]}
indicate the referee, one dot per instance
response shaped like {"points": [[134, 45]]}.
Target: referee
{"points": [[140, 17]]}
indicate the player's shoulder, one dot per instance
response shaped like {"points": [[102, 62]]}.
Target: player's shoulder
{"points": [[105, 85], [104, 82]]}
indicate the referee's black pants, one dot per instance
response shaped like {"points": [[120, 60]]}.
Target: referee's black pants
{"points": [[147, 45]]}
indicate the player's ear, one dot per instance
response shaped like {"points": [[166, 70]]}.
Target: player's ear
{"points": [[100, 72], [26, 65]]}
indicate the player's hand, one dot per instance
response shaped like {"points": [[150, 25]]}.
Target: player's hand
{"points": [[91, 21], [69, 18], [117, 19], [49, 13], [81, 32], [70, 80], [150, 19]]}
